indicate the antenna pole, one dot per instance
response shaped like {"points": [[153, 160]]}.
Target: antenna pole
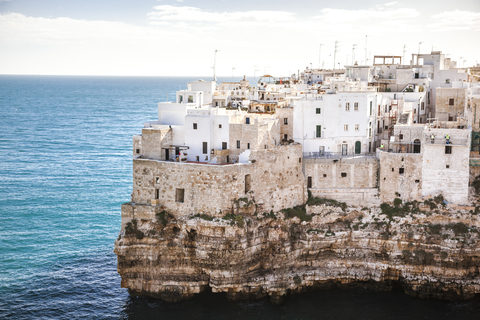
{"points": [[214, 64], [320, 56]]}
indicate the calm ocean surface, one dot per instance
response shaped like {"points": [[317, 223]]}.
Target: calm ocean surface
{"points": [[65, 157]]}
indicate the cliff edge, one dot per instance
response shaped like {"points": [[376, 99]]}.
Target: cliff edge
{"points": [[429, 250]]}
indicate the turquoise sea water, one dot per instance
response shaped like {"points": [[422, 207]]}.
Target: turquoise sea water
{"points": [[65, 157]]}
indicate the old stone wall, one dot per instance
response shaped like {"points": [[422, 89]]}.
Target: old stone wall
{"points": [[137, 145], [153, 142], [285, 128], [275, 180], [446, 112], [342, 173], [444, 172], [397, 183]]}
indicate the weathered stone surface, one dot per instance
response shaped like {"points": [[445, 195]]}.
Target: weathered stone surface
{"points": [[430, 254]]}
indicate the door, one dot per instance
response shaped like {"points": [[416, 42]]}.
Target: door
{"points": [[344, 149], [416, 146], [358, 147], [167, 154]]}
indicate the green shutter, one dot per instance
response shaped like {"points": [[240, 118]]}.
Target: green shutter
{"points": [[319, 131]]}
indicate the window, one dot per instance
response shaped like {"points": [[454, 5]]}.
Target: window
{"points": [[401, 170], [448, 149], [157, 193], [345, 127], [194, 126], [309, 182], [344, 174], [357, 127], [180, 99], [369, 132], [447, 81], [198, 158], [285, 137], [355, 106], [400, 136], [137, 150], [285, 120], [220, 126], [448, 166], [248, 145], [423, 105], [238, 144], [347, 106], [247, 120], [451, 102], [224, 146], [319, 132], [417, 181], [371, 106], [179, 195], [299, 160], [205, 148], [190, 99], [318, 111], [248, 183], [324, 175], [216, 103], [393, 169]]}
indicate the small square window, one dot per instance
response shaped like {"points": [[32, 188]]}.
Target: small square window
{"points": [[220, 126], [417, 181], [448, 166], [157, 179], [137, 150], [448, 149], [194, 126], [400, 136], [355, 106], [324, 175], [401, 170], [179, 195], [451, 102], [357, 127], [344, 174], [285, 120], [347, 106]]}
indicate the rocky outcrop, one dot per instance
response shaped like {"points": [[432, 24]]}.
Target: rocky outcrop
{"points": [[431, 253]]}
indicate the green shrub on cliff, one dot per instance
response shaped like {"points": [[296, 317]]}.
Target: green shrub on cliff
{"points": [[203, 216], [297, 280], [162, 217], [458, 228], [329, 202], [298, 211], [235, 219]]}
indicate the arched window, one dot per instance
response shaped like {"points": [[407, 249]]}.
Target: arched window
{"points": [[417, 146]]}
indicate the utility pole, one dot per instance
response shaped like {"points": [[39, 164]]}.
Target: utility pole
{"points": [[214, 64], [366, 59], [334, 58], [418, 51], [320, 56], [255, 73], [353, 54]]}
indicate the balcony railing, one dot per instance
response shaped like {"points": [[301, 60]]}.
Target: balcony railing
{"points": [[337, 155]]}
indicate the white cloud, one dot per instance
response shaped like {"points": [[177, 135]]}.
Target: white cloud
{"points": [[193, 14], [391, 3], [456, 20]]}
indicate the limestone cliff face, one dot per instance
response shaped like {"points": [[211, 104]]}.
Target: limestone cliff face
{"points": [[431, 254]]}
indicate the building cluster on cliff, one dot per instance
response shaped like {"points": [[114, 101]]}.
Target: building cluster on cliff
{"points": [[365, 134]]}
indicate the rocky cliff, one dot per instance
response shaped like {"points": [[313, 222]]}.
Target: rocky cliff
{"points": [[429, 251]]}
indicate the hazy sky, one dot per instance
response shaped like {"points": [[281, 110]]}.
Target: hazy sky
{"points": [[179, 37]]}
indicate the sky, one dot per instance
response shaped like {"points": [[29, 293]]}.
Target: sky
{"points": [[179, 37]]}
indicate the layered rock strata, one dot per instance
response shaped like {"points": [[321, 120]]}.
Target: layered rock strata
{"points": [[431, 253]]}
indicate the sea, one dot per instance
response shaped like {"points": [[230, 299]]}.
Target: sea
{"points": [[65, 169]]}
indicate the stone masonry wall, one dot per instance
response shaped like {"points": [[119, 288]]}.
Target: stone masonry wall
{"points": [[276, 182], [392, 181]]}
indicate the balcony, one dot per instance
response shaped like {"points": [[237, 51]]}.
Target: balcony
{"points": [[338, 155]]}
